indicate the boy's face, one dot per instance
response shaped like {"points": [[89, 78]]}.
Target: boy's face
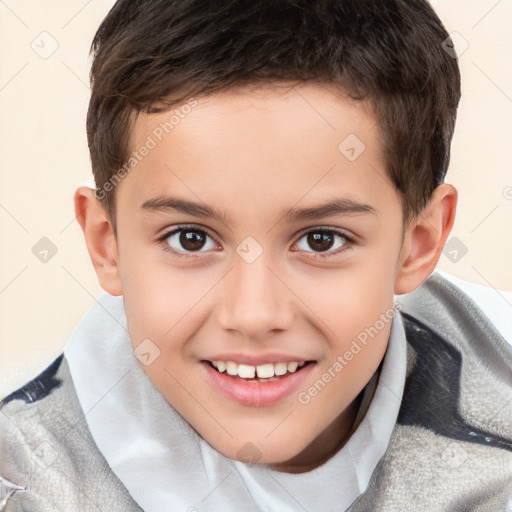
{"points": [[253, 283]]}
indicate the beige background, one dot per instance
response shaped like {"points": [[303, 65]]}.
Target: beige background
{"points": [[44, 157]]}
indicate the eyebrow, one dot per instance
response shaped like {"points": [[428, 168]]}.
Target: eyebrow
{"points": [[335, 206]]}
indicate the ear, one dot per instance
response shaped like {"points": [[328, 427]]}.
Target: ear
{"points": [[100, 239], [425, 238]]}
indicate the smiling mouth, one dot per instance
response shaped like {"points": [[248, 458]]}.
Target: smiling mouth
{"points": [[257, 386], [249, 373]]}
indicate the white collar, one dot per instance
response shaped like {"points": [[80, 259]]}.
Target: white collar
{"points": [[166, 465]]}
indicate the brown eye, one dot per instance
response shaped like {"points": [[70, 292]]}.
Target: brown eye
{"points": [[323, 240], [192, 240], [320, 241], [188, 240]]}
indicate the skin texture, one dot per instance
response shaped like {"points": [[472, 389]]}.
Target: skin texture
{"points": [[252, 154]]}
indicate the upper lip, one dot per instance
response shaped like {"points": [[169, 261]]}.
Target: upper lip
{"points": [[256, 360]]}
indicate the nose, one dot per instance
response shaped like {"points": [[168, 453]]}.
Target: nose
{"points": [[255, 300]]}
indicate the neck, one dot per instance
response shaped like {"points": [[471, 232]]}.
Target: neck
{"points": [[326, 444]]}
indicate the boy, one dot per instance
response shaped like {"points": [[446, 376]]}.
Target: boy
{"points": [[269, 175]]}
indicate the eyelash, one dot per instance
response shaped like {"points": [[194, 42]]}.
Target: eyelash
{"points": [[347, 246]]}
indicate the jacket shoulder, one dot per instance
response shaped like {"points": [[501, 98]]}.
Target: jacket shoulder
{"points": [[451, 448], [48, 458]]}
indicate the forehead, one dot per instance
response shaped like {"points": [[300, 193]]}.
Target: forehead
{"points": [[260, 146]]}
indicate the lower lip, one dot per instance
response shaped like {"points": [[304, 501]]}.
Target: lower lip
{"points": [[255, 393]]}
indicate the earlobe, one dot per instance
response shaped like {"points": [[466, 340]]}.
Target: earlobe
{"points": [[425, 238], [100, 239]]}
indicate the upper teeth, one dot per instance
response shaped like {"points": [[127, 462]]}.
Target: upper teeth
{"points": [[264, 371]]}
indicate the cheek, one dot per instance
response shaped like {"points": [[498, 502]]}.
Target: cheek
{"points": [[357, 311], [346, 302], [354, 308], [152, 290], [166, 305]]}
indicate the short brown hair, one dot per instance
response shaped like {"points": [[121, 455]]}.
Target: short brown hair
{"points": [[393, 53]]}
